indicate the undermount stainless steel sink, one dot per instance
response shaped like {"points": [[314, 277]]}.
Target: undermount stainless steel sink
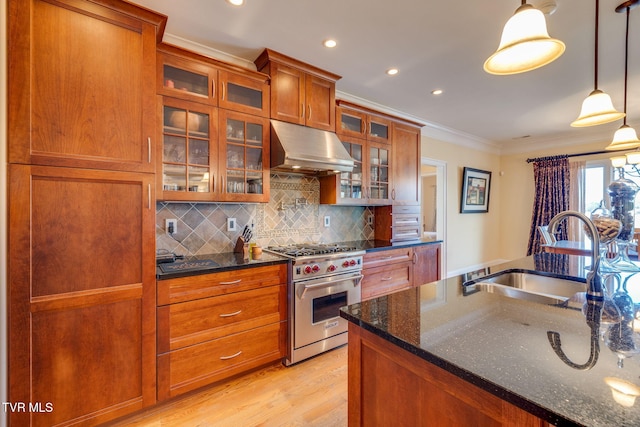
{"points": [[531, 287]]}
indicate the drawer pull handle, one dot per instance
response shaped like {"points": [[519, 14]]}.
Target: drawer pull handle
{"points": [[231, 282], [232, 356], [387, 278], [231, 314]]}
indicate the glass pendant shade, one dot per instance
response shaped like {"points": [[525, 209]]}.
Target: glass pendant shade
{"points": [[597, 109], [525, 44], [624, 138], [633, 158], [618, 162]]}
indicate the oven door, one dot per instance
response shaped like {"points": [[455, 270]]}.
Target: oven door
{"points": [[317, 306]]}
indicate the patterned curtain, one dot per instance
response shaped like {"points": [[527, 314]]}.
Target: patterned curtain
{"points": [[551, 180]]}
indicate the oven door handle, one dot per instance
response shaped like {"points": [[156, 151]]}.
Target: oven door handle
{"points": [[326, 284]]}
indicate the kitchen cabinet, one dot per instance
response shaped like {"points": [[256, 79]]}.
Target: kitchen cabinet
{"points": [[300, 93], [244, 157], [388, 385], [390, 162], [81, 293], [370, 181], [386, 271], [353, 120], [81, 79], [212, 153], [189, 151], [81, 271], [426, 263], [187, 75], [406, 157], [390, 270], [397, 223], [214, 326]]}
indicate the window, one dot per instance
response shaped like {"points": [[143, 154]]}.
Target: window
{"points": [[598, 176]]}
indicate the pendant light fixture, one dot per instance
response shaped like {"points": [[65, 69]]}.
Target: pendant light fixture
{"points": [[597, 108], [525, 44], [626, 136]]}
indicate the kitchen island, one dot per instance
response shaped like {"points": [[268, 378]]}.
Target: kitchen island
{"points": [[438, 354]]}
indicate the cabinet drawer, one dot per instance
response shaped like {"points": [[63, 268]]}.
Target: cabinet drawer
{"points": [[226, 282], [405, 233], [198, 365], [383, 280], [385, 257], [193, 322]]}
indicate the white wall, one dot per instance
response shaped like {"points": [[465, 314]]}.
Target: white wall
{"points": [[472, 239]]}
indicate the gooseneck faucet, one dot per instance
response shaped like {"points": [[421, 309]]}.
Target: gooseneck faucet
{"points": [[594, 282]]}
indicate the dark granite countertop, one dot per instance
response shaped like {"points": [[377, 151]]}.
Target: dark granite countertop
{"points": [[378, 245], [500, 344], [213, 263]]}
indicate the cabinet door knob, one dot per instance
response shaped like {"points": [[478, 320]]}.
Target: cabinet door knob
{"points": [[213, 88], [232, 282], [223, 92], [309, 118], [149, 149]]}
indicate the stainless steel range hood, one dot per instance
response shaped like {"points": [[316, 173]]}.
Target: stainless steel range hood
{"points": [[301, 149]]}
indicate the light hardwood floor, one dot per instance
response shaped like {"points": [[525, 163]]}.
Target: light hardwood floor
{"points": [[310, 393]]}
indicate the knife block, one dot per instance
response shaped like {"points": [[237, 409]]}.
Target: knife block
{"points": [[241, 247]]}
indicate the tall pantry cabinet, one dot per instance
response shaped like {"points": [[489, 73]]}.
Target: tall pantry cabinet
{"points": [[81, 303]]}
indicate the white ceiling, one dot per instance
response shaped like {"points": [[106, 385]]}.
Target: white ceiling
{"points": [[435, 44]]}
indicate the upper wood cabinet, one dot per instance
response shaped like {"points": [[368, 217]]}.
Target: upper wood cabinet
{"points": [[81, 84], [406, 158], [189, 151], [211, 154], [300, 93], [244, 157], [352, 120], [187, 75]]}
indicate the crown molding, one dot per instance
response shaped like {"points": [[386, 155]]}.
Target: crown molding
{"points": [[208, 51]]}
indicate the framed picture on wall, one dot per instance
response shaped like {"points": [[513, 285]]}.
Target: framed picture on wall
{"points": [[476, 184]]}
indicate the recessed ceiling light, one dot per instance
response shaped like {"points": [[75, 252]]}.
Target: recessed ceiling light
{"points": [[236, 2], [392, 71], [436, 92], [329, 43]]}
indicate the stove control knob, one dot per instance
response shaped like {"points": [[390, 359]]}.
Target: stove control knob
{"points": [[345, 264], [307, 269], [331, 268], [315, 268], [352, 262]]}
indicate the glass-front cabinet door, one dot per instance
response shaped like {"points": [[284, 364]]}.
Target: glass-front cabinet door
{"points": [[244, 156], [352, 184], [190, 80], [350, 122], [188, 132], [379, 174], [378, 129], [244, 93]]}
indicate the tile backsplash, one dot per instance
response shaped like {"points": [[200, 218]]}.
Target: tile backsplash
{"points": [[293, 215]]}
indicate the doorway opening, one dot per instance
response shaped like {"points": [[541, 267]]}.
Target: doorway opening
{"points": [[433, 207]]}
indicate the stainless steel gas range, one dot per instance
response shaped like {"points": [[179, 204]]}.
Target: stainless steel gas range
{"points": [[324, 278]]}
